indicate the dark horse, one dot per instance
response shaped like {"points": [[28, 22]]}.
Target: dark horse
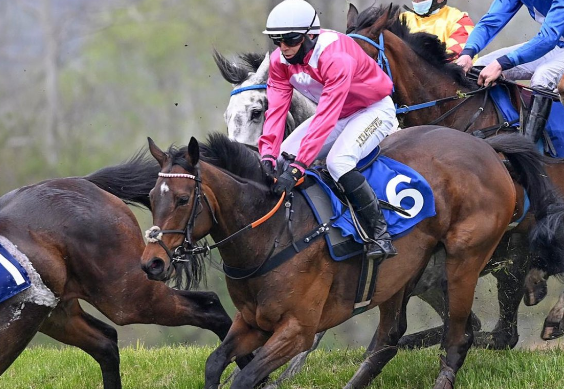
{"points": [[422, 72], [219, 189], [78, 241]]}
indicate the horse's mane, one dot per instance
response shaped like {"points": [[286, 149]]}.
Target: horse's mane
{"points": [[221, 152], [238, 71], [425, 45]]}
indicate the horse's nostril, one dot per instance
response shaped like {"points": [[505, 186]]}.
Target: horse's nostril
{"points": [[154, 268]]}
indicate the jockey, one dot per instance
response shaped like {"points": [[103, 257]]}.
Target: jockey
{"points": [[354, 114], [541, 59], [449, 24]]}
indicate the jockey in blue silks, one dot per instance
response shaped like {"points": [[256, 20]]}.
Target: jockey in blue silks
{"points": [[541, 59]]}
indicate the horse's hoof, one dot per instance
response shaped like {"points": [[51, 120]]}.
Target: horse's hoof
{"points": [[362, 378], [445, 380], [551, 330]]}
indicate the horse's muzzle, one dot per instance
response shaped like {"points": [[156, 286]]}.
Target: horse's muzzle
{"points": [[155, 269]]}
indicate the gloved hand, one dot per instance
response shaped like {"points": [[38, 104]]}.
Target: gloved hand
{"points": [[287, 180], [267, 163]]}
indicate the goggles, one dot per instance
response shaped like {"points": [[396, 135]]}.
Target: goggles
{"points": [[291, 39]]}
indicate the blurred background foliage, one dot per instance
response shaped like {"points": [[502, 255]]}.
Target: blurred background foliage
{"points": [[85, 82]]}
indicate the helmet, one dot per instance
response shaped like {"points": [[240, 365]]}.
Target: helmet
{"points": [[292, 16]]}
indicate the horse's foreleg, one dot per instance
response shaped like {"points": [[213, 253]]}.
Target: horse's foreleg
{"points": [[18, 325], [393, 324], [241, 340], [554, 323], [289, 339], [159, 304], [69, 324]]}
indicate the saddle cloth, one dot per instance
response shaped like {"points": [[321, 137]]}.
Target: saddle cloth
{"points": [[392, 181], [13, 277], [554, 126]]}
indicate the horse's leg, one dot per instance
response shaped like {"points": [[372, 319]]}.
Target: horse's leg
{"points": [[554, 323], [289, 339], [464, 264], [393, 324], [69, 324], [510, 281], [296, 363], [18, 325], [241, 340]]}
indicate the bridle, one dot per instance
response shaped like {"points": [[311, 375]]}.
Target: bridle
{"points": [[186, 249]]}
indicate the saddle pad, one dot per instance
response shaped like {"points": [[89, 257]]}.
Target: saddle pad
{"points": [[394, 182], [13, 277], [554, 125]]}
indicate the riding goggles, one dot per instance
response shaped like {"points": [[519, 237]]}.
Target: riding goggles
{"points": [[292, 39]]}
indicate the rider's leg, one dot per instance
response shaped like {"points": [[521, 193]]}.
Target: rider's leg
{"points": [[362, 133], [538, 115], [371, 219]]}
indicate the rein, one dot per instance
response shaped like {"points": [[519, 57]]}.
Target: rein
{"points": [[155, 233], [383, 61]]}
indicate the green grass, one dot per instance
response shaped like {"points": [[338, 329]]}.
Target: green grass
{"points": [[182, 367]]}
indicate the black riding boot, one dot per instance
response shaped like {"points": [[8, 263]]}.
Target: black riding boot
{"points": [[371, 219], [538, 116]]}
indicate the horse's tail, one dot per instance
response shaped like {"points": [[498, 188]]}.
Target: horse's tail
{"points": [[527, 169], [131, 180]]}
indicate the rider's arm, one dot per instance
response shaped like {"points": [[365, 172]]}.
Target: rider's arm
{"points": [[279, 95], [459, 35], [337, 70], [551, 30], [499, 14]]}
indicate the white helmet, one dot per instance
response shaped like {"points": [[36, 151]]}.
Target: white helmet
{"points": [[292, 16]]}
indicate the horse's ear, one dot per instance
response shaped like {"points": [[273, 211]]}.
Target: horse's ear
{"points": [[351, 17], [159, 155], [262, 72], [193, 151], [383, 21]]}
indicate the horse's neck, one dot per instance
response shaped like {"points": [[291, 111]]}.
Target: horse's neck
{"points": [[417, 81], [301, 108]]}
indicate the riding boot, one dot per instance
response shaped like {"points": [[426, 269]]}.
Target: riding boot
{"points": [[371, 219], [538, 116]]}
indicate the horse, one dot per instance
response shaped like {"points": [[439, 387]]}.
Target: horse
{"points": [[219, 189], [429, 88], [244, 115], [77, 239]]}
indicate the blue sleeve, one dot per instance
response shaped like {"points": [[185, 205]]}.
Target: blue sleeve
{"points": [[500, 12], [551, 30]]}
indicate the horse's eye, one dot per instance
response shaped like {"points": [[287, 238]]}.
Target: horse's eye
{"points": [[182, 201], [255, 114]]}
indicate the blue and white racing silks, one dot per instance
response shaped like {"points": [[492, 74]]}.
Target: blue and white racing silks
{"points": [[549, 13], [13, 277]]}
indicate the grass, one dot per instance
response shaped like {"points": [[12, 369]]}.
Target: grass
{"points": [[181, 367]]}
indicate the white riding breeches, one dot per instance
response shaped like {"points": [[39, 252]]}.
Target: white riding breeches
{"points": [[544, 72], [353, 137]]}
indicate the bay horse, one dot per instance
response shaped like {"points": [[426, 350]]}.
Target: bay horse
{"points": [[77, 240], [219, 189], [244, 114], [423, 74]]}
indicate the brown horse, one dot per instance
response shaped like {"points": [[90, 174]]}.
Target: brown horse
{"points": [[422, 72], [77, 241], [219, 189]]}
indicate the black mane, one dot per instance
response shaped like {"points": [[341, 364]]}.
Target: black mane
{"points": [[238, 71], [220, 151], [425, 45]]}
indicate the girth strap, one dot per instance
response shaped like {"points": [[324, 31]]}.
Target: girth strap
{"points": [[278, 259]]}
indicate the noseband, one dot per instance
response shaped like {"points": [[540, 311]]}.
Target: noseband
{"points": [[182, 252]]}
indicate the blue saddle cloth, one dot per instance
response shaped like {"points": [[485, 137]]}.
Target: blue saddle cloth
{"points": [[13, 277], [394, 182], [554, 125]]}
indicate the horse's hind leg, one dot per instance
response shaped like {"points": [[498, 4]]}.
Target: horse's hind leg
{"points": [[19, 322], [69, 324], [393, 324], [510, 291]]}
